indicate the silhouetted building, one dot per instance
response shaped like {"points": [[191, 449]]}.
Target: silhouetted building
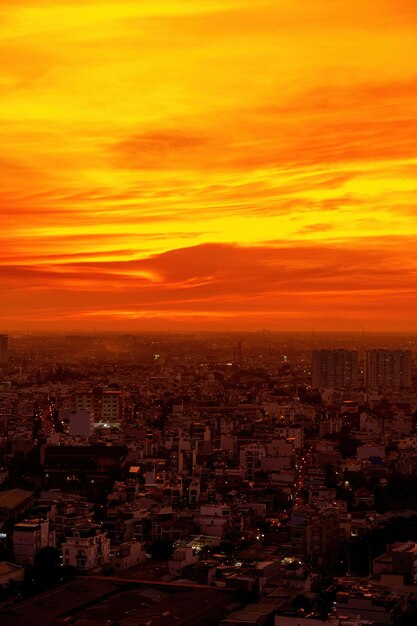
{"points": [[4, 349], [388, 369], [36, 421], [335, 368], [80, 468]]}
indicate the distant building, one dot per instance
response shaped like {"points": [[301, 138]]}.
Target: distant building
{"points": [[78, 342], [335, 368], [388, 369], [250, 459], [106, 404], [4, 349], [81, 423]]}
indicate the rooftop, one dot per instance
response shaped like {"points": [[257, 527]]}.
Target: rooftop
{"points": [[8, 568], [13, 498]]}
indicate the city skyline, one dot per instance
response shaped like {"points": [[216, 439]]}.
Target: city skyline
{"points": [[208, 166]]}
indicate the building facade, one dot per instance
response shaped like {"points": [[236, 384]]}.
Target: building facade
{"points": [[29, 537], [105, 404], [388, 369], [86, 548], [335, 368]]}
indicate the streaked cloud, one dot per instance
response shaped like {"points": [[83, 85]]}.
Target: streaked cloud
{"points": [[287, 285], [151, 152]]}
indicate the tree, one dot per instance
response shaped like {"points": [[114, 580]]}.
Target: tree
{"points": [[162, 549], [17, 467], [301, 601], [47, 564]]}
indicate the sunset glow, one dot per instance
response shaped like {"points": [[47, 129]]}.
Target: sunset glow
{"points": [[207, 164]]}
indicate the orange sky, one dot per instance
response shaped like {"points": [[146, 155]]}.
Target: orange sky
{"points": [[208, 164]]}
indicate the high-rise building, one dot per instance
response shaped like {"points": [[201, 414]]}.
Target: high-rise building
{"points": [[105, 404], [335, 368], [388, 369], [315, 534], [4, 349]]}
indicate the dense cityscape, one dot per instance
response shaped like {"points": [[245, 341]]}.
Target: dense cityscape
{"points": [[208, 479]]}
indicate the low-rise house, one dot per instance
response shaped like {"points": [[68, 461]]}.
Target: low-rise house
{"points": [[86, 548], [29, 537], [400, 558], [214, 519], [127, 555], [182, 558], [380, 606]]}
